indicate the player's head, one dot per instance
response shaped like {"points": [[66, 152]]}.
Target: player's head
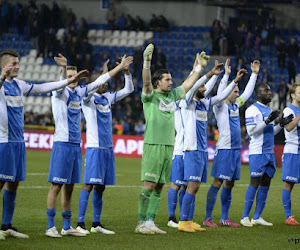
{"points": [[235, 93], [294, 92], [162, 80], [200, 92], [103, 87], [263, 93], [71, 71], [10, 57]]}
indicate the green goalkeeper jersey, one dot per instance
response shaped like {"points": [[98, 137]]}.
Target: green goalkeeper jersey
{"points": [[159, 115]]}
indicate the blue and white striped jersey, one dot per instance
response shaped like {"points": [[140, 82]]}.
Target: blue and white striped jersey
{"points": [[97, 112], [263, 141], [292, 138]]}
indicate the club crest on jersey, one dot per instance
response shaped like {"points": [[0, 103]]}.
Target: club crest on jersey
{"points": [[166, 107], [234, 113], [201, 115], [103, 108]]}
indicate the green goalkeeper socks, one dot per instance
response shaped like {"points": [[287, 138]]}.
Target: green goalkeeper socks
{"points": [[153, 205], [143, 204]]}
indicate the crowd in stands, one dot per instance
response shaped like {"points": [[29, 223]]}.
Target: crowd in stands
{"points": [[245, 40]]}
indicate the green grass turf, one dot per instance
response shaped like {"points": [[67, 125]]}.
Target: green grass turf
{"points": [[120, 214]]}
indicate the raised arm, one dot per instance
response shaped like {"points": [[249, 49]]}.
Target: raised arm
{"points": [[223, 83], [128, 88], [251, 83], [50, 86], [147, 85], [202, 59], [62, 62], [4, 73], [213, 75], [125, 62]]}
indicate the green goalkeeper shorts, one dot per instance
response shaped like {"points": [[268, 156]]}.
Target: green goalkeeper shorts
{"points": [[156, 163]]}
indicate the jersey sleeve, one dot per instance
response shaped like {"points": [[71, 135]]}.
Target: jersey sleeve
{"points": [[179, 93], [287, 111], [25, 87], [147, 98], [111, 96]]}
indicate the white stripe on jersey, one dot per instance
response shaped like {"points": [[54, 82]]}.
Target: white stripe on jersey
{"points": [[14, 101]]}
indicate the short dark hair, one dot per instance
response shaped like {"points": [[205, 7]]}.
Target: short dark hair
{"points": [[7, 52], [256, 90], [158, 75]]}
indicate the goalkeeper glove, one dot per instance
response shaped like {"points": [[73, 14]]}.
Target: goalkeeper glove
{"points": [[148, 56]]}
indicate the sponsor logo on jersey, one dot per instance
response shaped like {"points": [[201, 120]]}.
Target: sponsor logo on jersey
{"points": [[103, 108], [256, 173], [224, 177], [201, 115], [234, 113], [291, 178], [59, 179], [6, 177], [95, 180], [74, 105], [166, 107], [14, 101], [151, 175], [198, 178], [249, 120]]}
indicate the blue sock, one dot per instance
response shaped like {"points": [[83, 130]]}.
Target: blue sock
{"points": [[66, 219], [186, 204], [211, 200], [181, 195], [9, 201], [225, 202], [261, 199], [172, 201], [250, 194], [192, 210], [51, 212], [287, 204], [97, 205], [83, 203]]}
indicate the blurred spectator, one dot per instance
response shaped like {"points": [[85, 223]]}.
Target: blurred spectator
{"points": [[293, 49], [111, 16], [126, 128], [83, 29], [121, 22], [264, 76], [56, 16], [69, 18], [137, 63], [248, 44], [35, 31], [224, 40], [215, 35], [281, 53], [131, 23], [162, 24], [282, 92], [238, 39], [4, 16], [153, 23], [159, 60], [240, 65], [257, 44], [139, 128], [140, 24], [259, 21], [118, 128], [291, 67], [51, 43], [270, 26], [87, 62], [19, 19]]}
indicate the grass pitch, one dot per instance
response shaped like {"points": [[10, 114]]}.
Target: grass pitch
{"points": [[120, 214]]}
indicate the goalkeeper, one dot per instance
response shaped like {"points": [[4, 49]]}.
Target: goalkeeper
{"points": [[158, 100]]}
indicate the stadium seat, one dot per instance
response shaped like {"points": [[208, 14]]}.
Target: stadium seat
{"points": [[139, 42], [45, 68], [148, 35], [27, 76], [54, 69], [39, 60], [115, 42], [116, 34], [52, 77], [36, 109], [46, 101], [24, 60], [131, 43], [92, 33], [107, 33], [21, 75], [33, 52], [31, 60], [123, 42], [132, 34], [36, 76], [106, 41], [45, 109], [28, 108], [37, 68], [124, 34], [140, 35], [44, 77], [100, 33]]}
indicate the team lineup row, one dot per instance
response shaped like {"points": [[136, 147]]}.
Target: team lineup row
{"points": [[187, 105]]}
